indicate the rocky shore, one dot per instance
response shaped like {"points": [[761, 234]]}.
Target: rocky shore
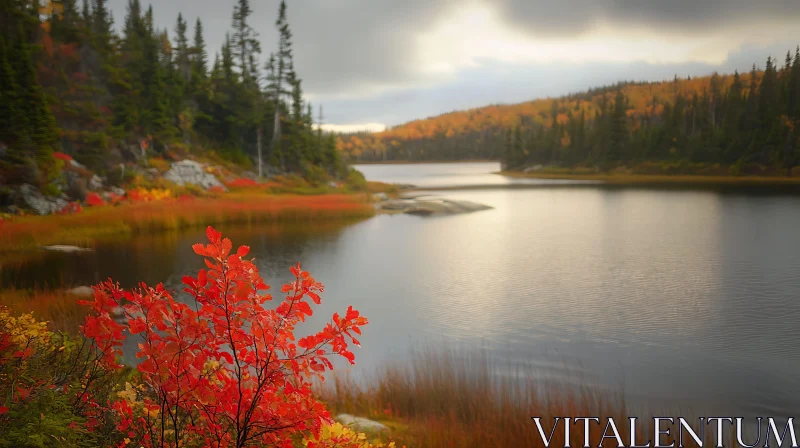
{"points": [[425, 205]]}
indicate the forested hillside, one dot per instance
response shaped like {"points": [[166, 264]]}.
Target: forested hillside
{"points": [[72, 82], [729, 120]]}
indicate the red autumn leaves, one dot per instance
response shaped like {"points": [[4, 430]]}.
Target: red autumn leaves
{"points": [[221, 368]]}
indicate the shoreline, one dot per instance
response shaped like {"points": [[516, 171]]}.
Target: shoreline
{"points": [[659, 179], [22, 236], [422, 162]]}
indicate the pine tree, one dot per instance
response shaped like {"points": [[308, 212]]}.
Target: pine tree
{"points": [[182, 57], [245, 40], [280, 68], [101, 26], [33, 135], [768, 96], [10, 116], [794, 88], [199, 56], [86, 14], [65, 26]]}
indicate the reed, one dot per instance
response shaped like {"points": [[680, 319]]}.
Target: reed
{"points": [[57, 307], [452, 398]]}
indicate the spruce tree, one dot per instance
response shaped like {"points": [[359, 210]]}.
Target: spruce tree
{"points": [[182, 57], [10, 114], [86, 14], [65, 26], [101, 27], [199, 55], [245, 44], [280, 67]]}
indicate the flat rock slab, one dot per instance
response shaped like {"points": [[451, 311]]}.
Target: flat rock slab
{"points": [[422, 206], [66, 249], [84, 291], [360, 423]]}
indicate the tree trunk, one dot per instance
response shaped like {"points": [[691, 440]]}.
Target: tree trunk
{"points": [[276, 134], [258, 144]]}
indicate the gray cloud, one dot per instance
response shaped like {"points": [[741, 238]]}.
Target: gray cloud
{"points": [[568, 17], [345, 50], [340, 46], [512, 83]]}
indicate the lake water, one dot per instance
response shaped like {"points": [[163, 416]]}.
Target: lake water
{"points": [[685, 299]]}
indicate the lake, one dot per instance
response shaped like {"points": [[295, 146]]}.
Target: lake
{"points": [[679, 298]]}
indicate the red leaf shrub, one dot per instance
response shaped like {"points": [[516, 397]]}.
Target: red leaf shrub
{"points": [[220, 369], [243, 183], [62, 156], [134, 195], [114, 198], [72, 207], [94, 200]]}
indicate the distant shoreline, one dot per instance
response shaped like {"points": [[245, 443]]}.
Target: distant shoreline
{"points": [[420, 162], [660, 179]]}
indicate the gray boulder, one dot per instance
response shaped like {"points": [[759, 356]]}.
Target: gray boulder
{"points": [[96, 183], [191, 172], [360, 423], [32, 198], [76, 165]]}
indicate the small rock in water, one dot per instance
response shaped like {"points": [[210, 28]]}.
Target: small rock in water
{"points": [[425, 207], [380, 197], [66, 248], [360, 423], [81, 291]]}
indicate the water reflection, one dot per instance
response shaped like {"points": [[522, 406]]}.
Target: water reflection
{"points": [[683, 298]]}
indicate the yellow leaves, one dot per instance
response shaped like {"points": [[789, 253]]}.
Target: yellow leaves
{"points": [[129, 394], [210, 366], [23, 329], [154, 194], [337, 434]]}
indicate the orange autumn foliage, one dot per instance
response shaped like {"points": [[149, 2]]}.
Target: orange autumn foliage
{"points": [[644, 99]]}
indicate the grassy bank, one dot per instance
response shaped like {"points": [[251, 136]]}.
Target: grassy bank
{"points": [[26, 233], [657, 179]]}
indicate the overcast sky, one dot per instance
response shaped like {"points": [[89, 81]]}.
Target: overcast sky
{"points": [[372, 63]]}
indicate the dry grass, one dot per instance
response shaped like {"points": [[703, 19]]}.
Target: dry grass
{"points": [[112, 222], [447, 398], [382, 187]]}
